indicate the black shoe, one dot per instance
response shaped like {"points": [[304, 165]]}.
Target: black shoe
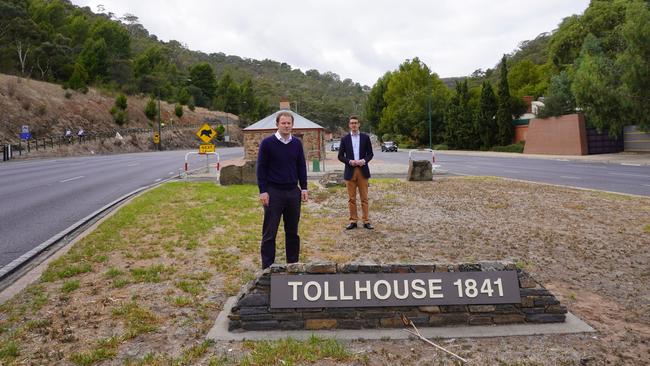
{"points": [[352, 225], [368, 226]]}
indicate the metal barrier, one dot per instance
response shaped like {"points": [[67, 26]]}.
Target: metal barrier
{"points": [[434, 166], [207, 164], [7, 153]]}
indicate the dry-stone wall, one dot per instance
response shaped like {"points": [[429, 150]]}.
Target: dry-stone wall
{"points": [[252, 311]]}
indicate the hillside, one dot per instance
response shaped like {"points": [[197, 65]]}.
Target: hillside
{"points": [[49, 110], [56, 41]]}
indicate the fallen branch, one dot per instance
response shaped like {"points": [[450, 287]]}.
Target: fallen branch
{"points": [[408, 322]]}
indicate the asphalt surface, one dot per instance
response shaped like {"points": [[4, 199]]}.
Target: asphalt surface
{"points": [[40, 198], [583, 174]]}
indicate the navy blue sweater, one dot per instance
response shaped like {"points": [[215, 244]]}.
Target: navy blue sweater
{"points": [[281, 165]]}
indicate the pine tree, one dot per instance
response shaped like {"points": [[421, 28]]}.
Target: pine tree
{"points": [[504, 117], [486, 116]]}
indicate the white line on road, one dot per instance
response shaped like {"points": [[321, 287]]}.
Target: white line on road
{"points": [[510, 171], [134, 164], [158, 180], [70, 179], [646, 185], [171, 172], [561, 159], [630, 164], [569, 177], [631, 175]]}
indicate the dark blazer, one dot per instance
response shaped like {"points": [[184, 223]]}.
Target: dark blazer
{"points": [[346, 153]]}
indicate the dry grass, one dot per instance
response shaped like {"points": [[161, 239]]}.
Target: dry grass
{"points": [[145, 287]]}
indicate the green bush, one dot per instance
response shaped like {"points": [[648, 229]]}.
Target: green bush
{"points": [[441, 147], [513, 148]]}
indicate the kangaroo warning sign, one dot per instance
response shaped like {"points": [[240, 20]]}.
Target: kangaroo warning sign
{"points": [[206, 133]]}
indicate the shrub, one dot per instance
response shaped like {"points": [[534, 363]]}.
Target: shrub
{"points": [[441, 147], [513, 148]]}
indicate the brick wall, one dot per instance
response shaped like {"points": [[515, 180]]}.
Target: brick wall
{"points": [[252, 311], [563, 135], [312, 141]]}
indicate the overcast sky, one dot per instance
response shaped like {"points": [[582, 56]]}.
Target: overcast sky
{"points": [[359, 39]]}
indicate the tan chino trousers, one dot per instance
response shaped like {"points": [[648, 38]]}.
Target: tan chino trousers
{"points": [[358, 181]]}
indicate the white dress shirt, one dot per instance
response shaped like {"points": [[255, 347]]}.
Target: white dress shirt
{"points": [[279, 137], [356, 141]]}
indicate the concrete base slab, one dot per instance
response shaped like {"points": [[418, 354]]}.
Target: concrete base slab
{"points": [[219, 331]]}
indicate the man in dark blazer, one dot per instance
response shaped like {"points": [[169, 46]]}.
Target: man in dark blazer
{"points": [[355, 152]]}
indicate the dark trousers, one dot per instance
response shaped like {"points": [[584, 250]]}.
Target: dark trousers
{"points": [[285, 204]]}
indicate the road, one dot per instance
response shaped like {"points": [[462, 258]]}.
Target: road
{"points": [[574, 173], [40, 198]]}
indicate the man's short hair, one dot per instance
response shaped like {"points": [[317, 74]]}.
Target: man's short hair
{"points": [[285, 113], [354, 117]]}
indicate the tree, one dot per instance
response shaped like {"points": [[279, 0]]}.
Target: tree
{"points": [[504, 116], [227, 95], [526, 78], [407, 98], [79, 78], [202, 77], [119, 110], [459, 127], [151, 110], [178, 111], [376, 103], [596, 86], [559, 100], [635, 63], [486, 116]]}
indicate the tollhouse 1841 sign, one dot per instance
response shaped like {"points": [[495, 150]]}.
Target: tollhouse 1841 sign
{"points": [[394, 289]]}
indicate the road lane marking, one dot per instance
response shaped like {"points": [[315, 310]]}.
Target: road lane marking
{"points": [[630, 164], [561, 159], [171, 173], [510, 171], [569, 177], [631, 175], [158, 180], [71, 179], [134, 164]]}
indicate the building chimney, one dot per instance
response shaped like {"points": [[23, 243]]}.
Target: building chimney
{"points": [[528, 100], [285, 104]]}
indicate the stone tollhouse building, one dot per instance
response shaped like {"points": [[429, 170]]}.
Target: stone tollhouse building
{"points": [[311, 134]]}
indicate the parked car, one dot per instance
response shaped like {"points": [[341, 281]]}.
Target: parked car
{"points": [[335, 146], [388, 146]]}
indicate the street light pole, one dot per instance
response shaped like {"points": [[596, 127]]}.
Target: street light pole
{"points": [[429, 120], [159, 127]]}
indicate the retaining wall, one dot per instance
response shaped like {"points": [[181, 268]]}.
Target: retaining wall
{"points": [[253, 312]]}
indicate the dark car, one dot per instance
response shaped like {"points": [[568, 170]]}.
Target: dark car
{"points": [[388, 146], [335, 146]]}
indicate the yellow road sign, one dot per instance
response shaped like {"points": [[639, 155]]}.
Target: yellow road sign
{"points": [[206, 148], [156, 138], [206, 133]]}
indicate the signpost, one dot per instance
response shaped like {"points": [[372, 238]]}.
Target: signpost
{"points": [[24, 133], [206, 148], [394, 289], [206, 133]]}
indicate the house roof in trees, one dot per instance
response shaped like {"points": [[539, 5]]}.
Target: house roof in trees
{"points": [[268, 122]]}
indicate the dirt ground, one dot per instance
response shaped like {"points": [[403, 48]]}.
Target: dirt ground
{"points": [[590, 248]]}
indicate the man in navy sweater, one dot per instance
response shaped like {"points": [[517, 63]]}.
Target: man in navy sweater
{"points": [[355, 152], [281, 167]]}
